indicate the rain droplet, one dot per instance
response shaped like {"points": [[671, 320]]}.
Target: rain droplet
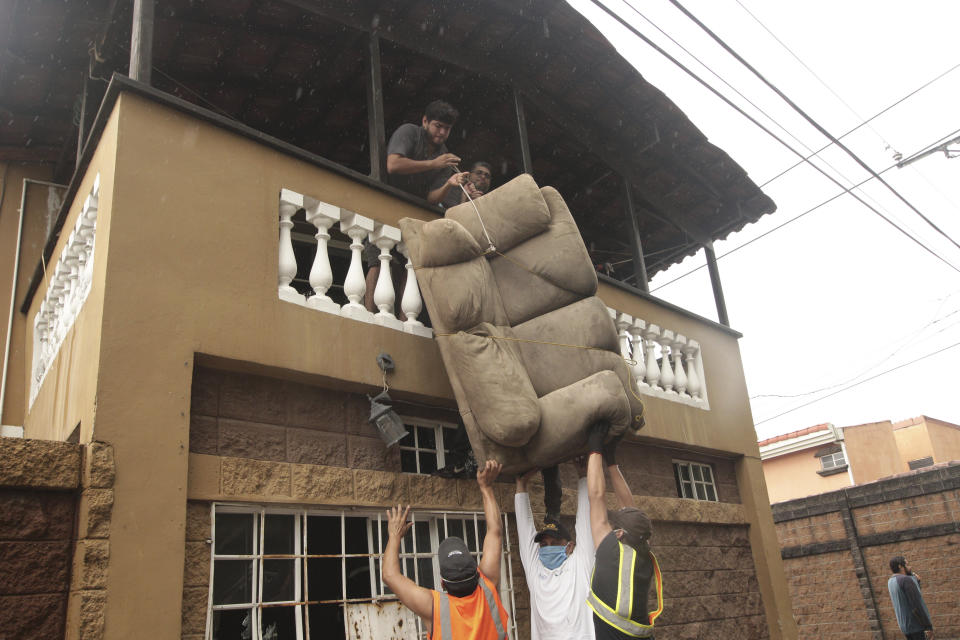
{"points": [[376, 21], [299, 93]]}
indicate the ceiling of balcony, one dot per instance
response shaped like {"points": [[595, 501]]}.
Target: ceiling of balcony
{"points": [[297, 70]]}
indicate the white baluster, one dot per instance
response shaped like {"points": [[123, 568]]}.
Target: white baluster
{"points": [[290, 202], [639, 353], [411, 304], [690, 352], [650, 334], [357, 227], [385, 238], [666, 370], [676, 351], [623, 322], [322, 216]]}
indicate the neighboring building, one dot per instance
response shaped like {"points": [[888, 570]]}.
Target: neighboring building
{"points": [[206, 384], [837, 546], [824, 458]]}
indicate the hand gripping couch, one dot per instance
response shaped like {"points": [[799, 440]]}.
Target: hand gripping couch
{"points": [[525, 403]]}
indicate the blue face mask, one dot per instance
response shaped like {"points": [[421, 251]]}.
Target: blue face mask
{"points": [[553, 556]]}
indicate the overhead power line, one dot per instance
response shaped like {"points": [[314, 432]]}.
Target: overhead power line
{"points": [[809, 119], [753, 120], [779, 226], [857, 384], [864, 123], [810, 70]]}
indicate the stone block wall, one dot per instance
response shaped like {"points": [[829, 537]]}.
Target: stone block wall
{"points": [[256, 439], [837, 547], [38, 483]]}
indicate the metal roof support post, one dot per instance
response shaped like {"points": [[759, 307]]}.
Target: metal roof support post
{"points": [[141, 41], [376, 127], [639, 264], [527, 162], [715, 281], [81, 125]]}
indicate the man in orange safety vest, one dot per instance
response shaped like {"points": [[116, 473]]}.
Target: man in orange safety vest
{"points": [[471, 608]]}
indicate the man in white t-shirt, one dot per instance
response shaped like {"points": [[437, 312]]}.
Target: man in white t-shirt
{"points": [[557, 568]]}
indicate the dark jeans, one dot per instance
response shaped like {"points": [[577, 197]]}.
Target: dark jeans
{"points": [[919, 635], [552, 493]]}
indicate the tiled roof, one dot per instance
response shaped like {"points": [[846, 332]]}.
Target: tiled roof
{"points": [[795, 434]]}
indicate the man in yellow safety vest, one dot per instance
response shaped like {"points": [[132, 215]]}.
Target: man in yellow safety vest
{"points": [[624, 564]]}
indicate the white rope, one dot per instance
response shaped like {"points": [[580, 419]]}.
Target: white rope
{"points": [[491, 248]]}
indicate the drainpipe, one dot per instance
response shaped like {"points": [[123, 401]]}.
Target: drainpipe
{"points": [[13, 284]]}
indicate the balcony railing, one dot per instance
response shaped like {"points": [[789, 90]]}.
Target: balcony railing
{"points": [[70, 284], [324, 216], [664, 363]]}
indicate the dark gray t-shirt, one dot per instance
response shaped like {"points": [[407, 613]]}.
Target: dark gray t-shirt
{"points": [[410, 141]]}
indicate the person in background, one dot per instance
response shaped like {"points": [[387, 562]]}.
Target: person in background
{"points": [[471, 608], [913, 618]]}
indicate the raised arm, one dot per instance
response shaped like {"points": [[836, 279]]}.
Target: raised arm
{"points": [[525, 527], [453, 182], [596, 486], [583, 525], [620, 488], [493, 540], [413, 596], [402, 165]]}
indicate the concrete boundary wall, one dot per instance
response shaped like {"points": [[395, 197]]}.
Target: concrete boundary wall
{"points": [[836, 548]]}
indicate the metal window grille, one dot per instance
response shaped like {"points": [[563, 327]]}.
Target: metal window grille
{"points": [[695, 481], [832, 460], [280, 573], [426, 445]]}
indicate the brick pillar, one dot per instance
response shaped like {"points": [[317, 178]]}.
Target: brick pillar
{"points": [[860, 567]]}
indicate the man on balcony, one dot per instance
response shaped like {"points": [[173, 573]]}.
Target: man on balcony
{"points": [[417, 158], [477, 183], [471, 608]]}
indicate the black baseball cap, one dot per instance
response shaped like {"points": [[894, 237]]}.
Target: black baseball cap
{"points": [[456, 563], [633, 521], [555, 529]]}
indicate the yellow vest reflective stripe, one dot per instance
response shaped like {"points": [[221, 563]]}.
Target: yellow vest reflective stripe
{"points": [[620, 617]]}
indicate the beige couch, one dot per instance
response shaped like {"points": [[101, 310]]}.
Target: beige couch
{"points": [[524, 402]]}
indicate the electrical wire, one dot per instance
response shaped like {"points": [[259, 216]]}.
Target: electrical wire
{"points": [[779, 226], [811, 71], [903, 346], [816, 125], [865, 122], [753, 120], [857, 384]]}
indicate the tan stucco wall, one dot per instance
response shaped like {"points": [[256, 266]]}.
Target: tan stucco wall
{"points": [[794, 475], [872, 451], [944, 441], [35, 222], [913, 442], [191, 214], [68, 394]]}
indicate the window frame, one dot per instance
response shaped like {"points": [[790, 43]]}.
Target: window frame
{"points": [[834, 463], [438, 527], [709, 486], [440, 450]]}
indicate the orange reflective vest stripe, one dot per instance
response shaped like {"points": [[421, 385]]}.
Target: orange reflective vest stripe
{"points": [[479, 616]]}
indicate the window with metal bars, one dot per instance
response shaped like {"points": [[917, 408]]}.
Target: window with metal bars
{"points": [[426, 445], [292, 573], [695, 480], [833, 460]]}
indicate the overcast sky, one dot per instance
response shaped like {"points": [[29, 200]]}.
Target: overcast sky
{"points": [[839, 295]]}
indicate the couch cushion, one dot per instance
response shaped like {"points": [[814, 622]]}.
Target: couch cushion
{"points": [[511, 214]]}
